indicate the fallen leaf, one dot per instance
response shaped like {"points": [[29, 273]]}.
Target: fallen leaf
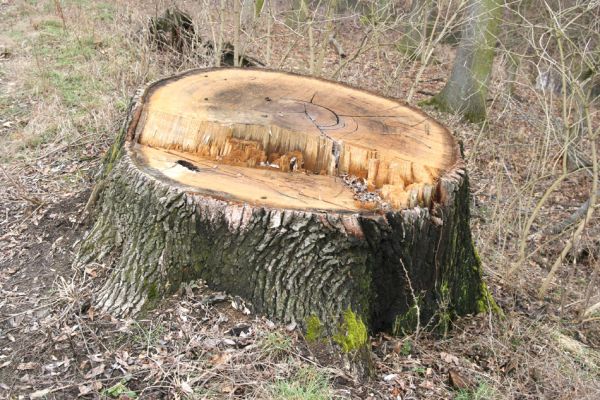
{"points": [[39, 394], [390, 377], [96, 357], [213, 299], [240, 330], [52, 366], [210, 344], [27, 366], [270, 324], [457, 380], [227, 388], [238, 304], [186, 388], [85, 389], [510, 366], [16, 320], [291, 326], [220, 359], [121, 362], [427, 385], [95, 371], [449, 358]]}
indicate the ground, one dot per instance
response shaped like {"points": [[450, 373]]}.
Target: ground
{"points": [[67, 70]]}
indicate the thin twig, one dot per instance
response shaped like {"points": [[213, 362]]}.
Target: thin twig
{"points": [[23, 193]]}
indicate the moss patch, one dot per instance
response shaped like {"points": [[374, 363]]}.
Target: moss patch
{"points": [[113, 154], [314, 328], [487, 303], [152, 291], [352, 334]]}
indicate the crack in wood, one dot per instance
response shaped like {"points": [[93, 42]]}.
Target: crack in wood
{"points": [[188, 165]]}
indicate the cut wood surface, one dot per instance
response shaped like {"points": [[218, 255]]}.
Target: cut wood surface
{"points": [[308, 198], [277, 122]]}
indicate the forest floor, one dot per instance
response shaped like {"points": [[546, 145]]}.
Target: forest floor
{"points": [[66, 75]]}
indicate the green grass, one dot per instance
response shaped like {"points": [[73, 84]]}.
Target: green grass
{"points": [[481, 392], [147, 336], [74, 88], [106, 11], [101, 10], [407, 348], [62, 58], [8, 108], [38, 140], [51, 28], [74, 51], [419, 370], [120, 390], [276, 345], [306, 384], [16, 35]]}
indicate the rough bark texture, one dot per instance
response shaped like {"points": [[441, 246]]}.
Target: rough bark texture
{"points": [[466, 90], [291, 265]]}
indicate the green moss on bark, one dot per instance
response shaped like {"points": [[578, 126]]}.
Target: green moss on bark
{"points": [[152, 291], [352, 334], [113, 154], [487, 303], [314, 328]]}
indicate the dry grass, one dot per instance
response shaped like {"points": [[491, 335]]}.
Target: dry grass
{"points": [[65, 78]]}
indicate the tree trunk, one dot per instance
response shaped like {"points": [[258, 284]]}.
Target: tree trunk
{"points": [[310, 199], [466, 91], [415, 28]]}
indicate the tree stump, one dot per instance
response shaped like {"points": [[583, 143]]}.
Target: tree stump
{"points": [[308, 198]]}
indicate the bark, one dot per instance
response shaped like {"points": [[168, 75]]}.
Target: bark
{"points": [[466, 91], [173, 30], [291, 265], [416, 28]]}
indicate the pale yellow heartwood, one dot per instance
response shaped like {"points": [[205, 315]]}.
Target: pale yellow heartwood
{"points": [[283, 140]]}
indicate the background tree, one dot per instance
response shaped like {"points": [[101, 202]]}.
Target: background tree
{"points": [[466, 91], [416, 27]]}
